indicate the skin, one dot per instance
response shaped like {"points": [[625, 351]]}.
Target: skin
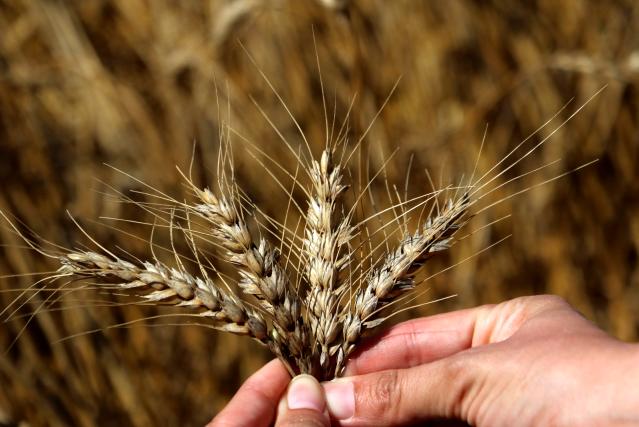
{"points": [[531, 361]]}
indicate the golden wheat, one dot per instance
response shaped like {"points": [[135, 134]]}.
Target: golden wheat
{"points": [[311, 306]]}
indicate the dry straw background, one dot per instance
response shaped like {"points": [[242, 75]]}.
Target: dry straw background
{"points": [[130, 83]]}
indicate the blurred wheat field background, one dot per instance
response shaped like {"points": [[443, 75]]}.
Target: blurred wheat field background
{"points": [[134, 83]]}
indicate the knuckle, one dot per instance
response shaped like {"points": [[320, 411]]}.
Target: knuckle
{"points": [[408, 344], [544, 300], [378, 396], [459, 384], [534, 305], [556, 300]]}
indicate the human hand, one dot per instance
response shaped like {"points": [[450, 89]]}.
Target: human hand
{"points": [[528, 361]]}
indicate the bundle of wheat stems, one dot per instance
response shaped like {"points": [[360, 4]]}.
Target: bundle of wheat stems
{"points": [[311, 296], [312, 323]]}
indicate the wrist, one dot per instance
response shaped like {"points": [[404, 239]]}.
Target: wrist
{"points": [[624, 391]]}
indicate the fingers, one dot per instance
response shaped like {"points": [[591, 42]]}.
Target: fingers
{"points": [[417, 342], [442, 389], [440, 375], [255, 403], [432, 338], [420, 377], [304, 404]]}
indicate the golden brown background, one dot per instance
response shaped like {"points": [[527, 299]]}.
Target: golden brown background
{"points": [[133, 83]]}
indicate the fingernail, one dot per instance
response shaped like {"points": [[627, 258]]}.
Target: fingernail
{"points": [[340, 398], [305, 393]]}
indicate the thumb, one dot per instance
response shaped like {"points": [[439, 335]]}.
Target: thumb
{"points": [[304, 404], [436, 390]]}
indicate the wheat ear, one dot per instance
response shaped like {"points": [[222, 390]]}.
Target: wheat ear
{"points": [[324, 241], [261, 274], [157, 283], [396, 274]]}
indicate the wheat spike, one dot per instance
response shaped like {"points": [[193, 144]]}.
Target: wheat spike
{"points": [[397, 273], [261, 274], [157, 282], [325, 258]]}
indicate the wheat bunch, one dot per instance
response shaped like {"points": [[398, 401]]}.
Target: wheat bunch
{"points": [[311, 305], [314, 322]]}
